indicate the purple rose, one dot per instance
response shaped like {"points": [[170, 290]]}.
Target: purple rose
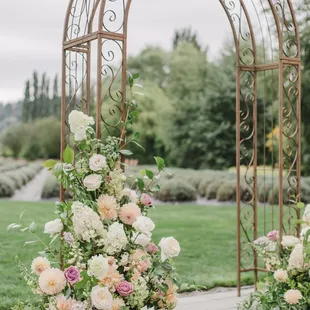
{"points": [[273, 235], [72, 274], [124, 288], [146, 200]]}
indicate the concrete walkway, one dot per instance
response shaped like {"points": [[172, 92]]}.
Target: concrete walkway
{"points": [[33, 189], [225, 299]]}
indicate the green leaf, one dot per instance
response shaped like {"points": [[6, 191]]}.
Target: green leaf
{"points": [[138, 85], [160, 163], [137, 135], [139, 145], [136, 76], [33, 227], [68, 155], [126, 152], [138, 93], [21, 215], [149, 174], [49, 164], [30, 242], [300, 205], [13, 226], [140, 184]]}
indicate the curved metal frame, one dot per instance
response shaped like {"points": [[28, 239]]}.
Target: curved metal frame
{"points": [[89, 21]]}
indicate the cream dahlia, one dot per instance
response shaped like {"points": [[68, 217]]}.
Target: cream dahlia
{"points": [[107, 207], [40, 264], [52, 281]]}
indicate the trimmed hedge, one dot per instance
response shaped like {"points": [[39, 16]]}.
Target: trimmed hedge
{"points": [[176, 191], [14, 179], [50, 188], [188, 184]]}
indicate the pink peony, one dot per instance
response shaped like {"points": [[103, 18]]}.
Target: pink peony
{"points": [[129, 213], [146, 200], [273, 235], [152, 248], [72, 274], [124, 288]]}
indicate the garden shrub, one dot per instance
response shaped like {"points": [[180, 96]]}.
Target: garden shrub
{"points": [[273, 197], [305, 192], [7, 186], [211, 191], [264, 190], [226, 191], [50, 188], [176, 191], [203, 185]]}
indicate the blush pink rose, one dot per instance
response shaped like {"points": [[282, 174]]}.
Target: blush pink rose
{"points": [[124, 288], [146, 200], [72, 274], [152, 248], [273, 235]]}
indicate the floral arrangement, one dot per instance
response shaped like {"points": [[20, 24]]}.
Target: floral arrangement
{"points": [[287, 286], [106, 259]]}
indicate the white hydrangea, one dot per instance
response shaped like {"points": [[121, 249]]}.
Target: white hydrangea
{"points": [[296, 260], [289, 241], [116, 239], [79, 122], [116, 184], [306, 216], [86, 223], [98, 267], [262, 241]]}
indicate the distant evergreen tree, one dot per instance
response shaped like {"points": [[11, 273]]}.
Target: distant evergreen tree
{"points": [[26, 110], [187, 35], [35, 101]]}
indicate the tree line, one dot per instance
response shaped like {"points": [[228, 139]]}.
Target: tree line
{"points": [[187, 114]]}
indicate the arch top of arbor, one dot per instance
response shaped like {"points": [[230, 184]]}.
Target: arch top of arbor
{"points": [[266, 38], [86, 19], [268, 27]]}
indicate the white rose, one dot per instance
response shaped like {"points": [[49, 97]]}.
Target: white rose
{"points": [[146, 308], [101, 298], [92, 182], [97, 162], [144, 225], [131, 194], [53, 227], [98, 267], [289, 241], [169, 248], [141, 239], [281, 275]]}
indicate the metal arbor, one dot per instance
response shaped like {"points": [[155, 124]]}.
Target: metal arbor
{"points": [[267, 81]]}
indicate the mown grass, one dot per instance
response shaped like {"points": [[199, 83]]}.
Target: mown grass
{"points": [[207, 235]]}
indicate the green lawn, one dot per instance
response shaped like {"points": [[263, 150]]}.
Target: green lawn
{"points": [[207, 236]]}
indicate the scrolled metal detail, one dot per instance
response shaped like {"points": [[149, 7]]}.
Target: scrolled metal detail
{"points": [[114, 17]]}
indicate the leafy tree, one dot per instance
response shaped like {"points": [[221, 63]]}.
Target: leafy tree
{"points": [[152, 65]]}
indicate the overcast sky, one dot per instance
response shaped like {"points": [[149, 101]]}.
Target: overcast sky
{"points": [[31, 33]]}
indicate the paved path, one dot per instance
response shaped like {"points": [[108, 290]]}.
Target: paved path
{"points": [[33, 189], [222, 300]]}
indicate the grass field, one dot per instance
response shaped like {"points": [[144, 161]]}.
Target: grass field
{"points": [[207, 236]]}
